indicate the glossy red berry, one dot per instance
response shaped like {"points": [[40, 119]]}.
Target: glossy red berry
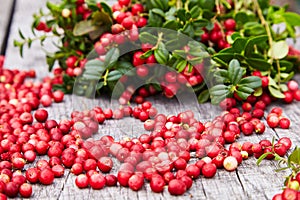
{"points": [[176, 187]]}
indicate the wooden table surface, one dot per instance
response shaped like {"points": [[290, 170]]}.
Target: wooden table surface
{"points": [[247, 182]]}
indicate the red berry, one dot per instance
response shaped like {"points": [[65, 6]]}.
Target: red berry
{"points": [[137, 8], [229, 24], [46, 176], [58, 96], [230, 163], [25, 190], [136, 182], [292, 85], [285, 141], [289, 194], [273, 121], [157, 184], [82, 181], [288, 97], [247, 128], [124, 2], [41, 115], [111, 180], [12, 189], [176, 187], [105, 164], [209, 170], [284, 123], [97, 181]]}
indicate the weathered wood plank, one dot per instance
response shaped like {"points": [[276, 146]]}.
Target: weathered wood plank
{"points": [[5, 10]]}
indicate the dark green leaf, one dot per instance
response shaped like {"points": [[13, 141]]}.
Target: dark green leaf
{"points": [[171, 24], [154, 20], [218, 90], [161, 54], [195, 12], [239, 45], [106, 8], [146, 54], [254, 41], [203, 96], [111, 57], [245, 89], [235, 72], [99, 85], [181, 14], [217, 99], [241, 18], [181, 65], [259, 64], [251, 82]]}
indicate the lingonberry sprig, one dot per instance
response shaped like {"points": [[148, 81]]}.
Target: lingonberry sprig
{"points": [[225, 30]]}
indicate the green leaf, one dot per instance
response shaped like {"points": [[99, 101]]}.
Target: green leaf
{"points": [[241, 18], [239, 45], [250, 81], [195, 12], [276, 92], [218, 90], [292, 18], [181, 65], [259, 64], [114, 75], [146, 37], [161, 54], [254, 41], [263, 156], [111, 57], [243, 95], [295, 156], [235, 72], [203, 96], [154, 20], [171, 24], [279, 50], [158, 11], [84, 27], [124, 66]]}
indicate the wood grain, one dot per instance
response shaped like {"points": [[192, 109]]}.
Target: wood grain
{"points": [[247, 182]]}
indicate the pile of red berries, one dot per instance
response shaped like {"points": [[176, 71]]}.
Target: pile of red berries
{"points": [[177, 150]]}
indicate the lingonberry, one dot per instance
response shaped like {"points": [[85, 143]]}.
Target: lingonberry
{"points": [[25, 190], [180, 163], [289, 194], [296, 95], [229, 24], [97, 181], [292, 85], [123, 177], [29, 155], [247, 128], [247, 107], [273, 120], [288, 97], [176, 187], [229, 136], [41, 115], [284, 123], [137, 8], [12, 189], [259, 127], [32, 175], [46, 176], [286, 142], [46, 100], [258, 113], [136, 182], [280, 149], [111, 180], [157, 183], [105, 164], [209, 170], [58, 96], [58, 170], [82, 181]]}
